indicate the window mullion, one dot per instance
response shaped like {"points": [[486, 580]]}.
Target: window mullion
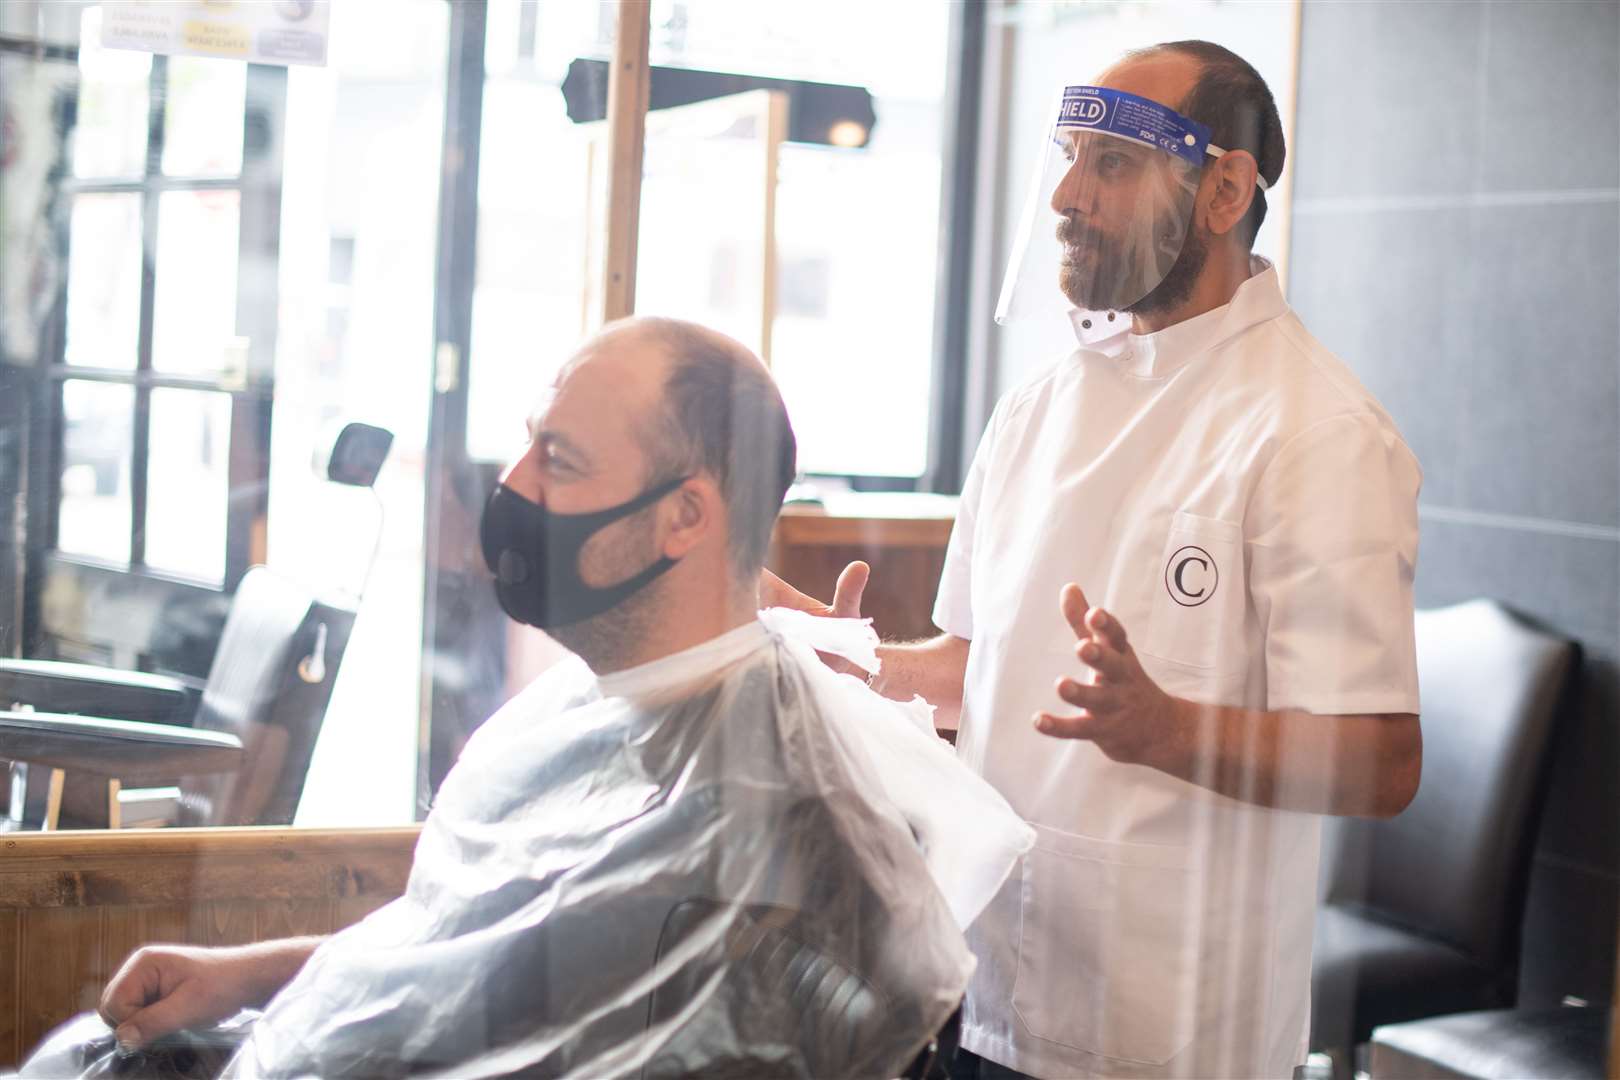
{"points": [[140, 451]]}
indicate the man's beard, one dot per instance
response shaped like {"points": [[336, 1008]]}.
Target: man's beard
{"points": [[1115, 274], [1177, 285], [604, 641]]}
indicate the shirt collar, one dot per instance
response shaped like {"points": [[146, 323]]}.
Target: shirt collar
{"points": [[683, 667], [1108, 333]]}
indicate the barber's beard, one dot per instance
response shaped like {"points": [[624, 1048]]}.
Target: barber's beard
{"points": [[1099, 273], [1177, 286]]}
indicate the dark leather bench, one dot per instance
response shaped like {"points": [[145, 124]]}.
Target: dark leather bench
{"points": [[1499, 1044]]}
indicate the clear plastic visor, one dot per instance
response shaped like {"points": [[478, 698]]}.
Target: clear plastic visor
{"points": [[1106, 218]]}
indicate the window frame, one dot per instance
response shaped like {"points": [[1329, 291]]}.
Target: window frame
{"points": [[251, 390]]}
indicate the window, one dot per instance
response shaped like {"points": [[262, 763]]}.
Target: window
{"points": [[160, 388], [856, 226]]}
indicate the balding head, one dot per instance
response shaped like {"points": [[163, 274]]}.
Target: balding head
{"points": [[1218, 88], [717, 411]]}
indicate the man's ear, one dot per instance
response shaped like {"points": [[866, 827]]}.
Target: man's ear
{"points": [[1230, 180], [695, 511]]}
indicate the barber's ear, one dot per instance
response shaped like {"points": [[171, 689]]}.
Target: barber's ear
{"points": [[1231, 180], [692, 513]]}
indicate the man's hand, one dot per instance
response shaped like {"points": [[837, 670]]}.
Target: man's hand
{"points": [[164, 988], [1123, 710]]}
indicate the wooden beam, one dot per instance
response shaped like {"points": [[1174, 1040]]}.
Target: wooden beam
{"points": [[192, 866], [628, 83], [776, 132]]}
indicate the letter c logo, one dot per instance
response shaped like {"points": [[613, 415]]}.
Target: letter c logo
{"points": [[1191, 576]]}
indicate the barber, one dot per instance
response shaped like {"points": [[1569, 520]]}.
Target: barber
{"points": [[1176, 604]]}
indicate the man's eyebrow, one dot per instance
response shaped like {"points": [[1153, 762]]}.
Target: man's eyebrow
{"points": [[560, 441]]}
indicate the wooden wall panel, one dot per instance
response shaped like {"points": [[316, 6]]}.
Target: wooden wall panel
{"points": [[223, 922], [125, 929], [350, 910], [295, 918], [74, 906], [10, 973], [61, 967]]}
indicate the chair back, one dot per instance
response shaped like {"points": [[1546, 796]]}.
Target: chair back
{"points": [[816, 1001], [269, 685], [1455, 864]]}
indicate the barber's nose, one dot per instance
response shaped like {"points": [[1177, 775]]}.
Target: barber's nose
{"points": [[1074, 191]]}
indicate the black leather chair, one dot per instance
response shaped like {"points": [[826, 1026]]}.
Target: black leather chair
{"points": [[1502, 1044], [239, 759], [1420, 914], [835, 1014]]}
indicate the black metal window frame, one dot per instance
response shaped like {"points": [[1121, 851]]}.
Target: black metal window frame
{"points": [[257, 184]]}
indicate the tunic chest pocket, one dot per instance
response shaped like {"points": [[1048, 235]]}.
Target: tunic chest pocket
{"points": [[1199, 596]]}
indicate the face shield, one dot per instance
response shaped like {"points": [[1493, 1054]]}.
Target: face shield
{"points": [[1109, 205]]}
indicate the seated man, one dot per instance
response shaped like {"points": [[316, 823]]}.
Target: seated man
{"points": [[687, 849]]}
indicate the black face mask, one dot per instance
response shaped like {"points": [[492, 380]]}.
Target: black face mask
{"points": [[534, 554]]}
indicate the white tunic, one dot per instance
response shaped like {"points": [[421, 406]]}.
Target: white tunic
{"points": [[1229, 491]]}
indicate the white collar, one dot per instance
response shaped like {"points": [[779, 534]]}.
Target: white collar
{"points": [[1108, 333], [682, 667]]}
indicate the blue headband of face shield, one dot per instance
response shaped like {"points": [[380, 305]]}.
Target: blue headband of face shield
{"points": [[1099, 108]]}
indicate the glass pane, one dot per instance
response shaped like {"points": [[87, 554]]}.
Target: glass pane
{"points": [[104, 281], [188, 483], [194, 321], [856, 270], [98, 432], [202, 127], [359, 212], [110, 137], [701, 251], [530, 298], [856, 224]]}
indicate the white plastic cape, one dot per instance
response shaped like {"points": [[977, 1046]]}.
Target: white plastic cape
{"points": [[731, 862]]}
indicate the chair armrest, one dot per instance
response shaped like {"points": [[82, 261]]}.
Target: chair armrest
{"points": [[118, 749], [58, 687]]}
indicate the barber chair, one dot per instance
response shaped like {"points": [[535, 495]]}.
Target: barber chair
{"points": [[243, 757], [1420, 915], [834, 1012], [237, 752]]}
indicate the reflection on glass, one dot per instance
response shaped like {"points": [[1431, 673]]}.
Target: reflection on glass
{"points": [[194, 320], [109, 138], [202, 127], [104, 281], [98, 421], [188, 483]]}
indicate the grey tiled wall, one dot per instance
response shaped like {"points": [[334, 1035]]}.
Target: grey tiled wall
{"points": [[1457, 241]]}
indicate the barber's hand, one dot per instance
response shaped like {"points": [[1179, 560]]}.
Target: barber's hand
{"points": [[164, 988], [774, 592], [1123, 710]]}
